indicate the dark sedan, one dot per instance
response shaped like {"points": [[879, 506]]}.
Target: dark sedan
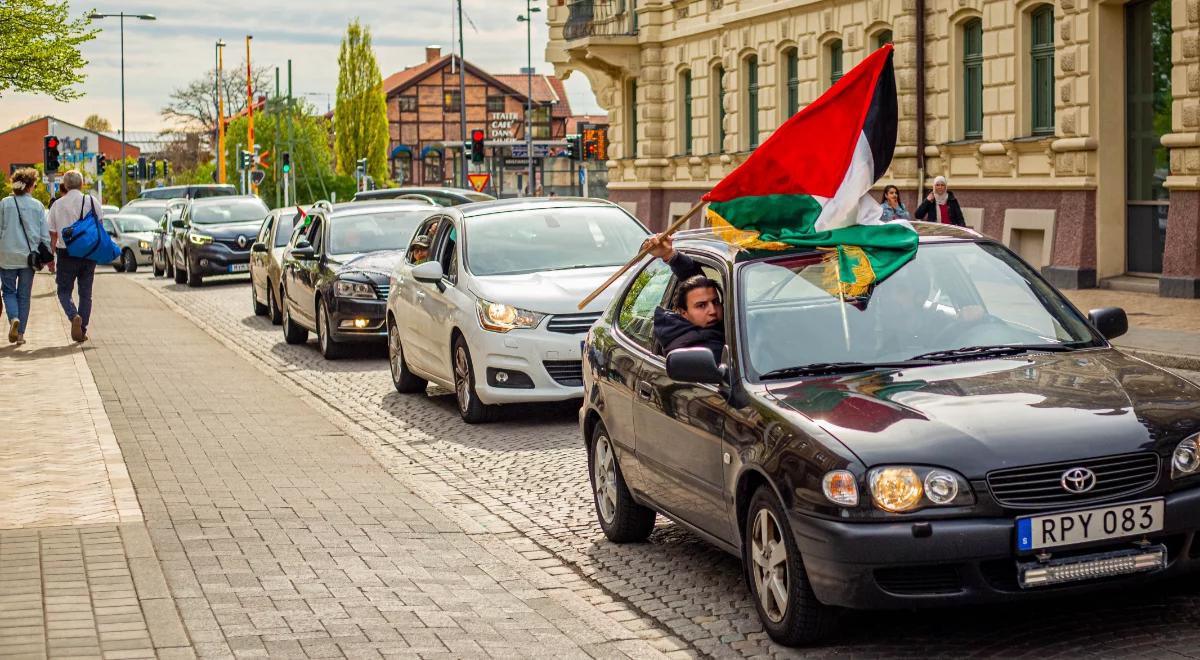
{"points": [[213, 237], [336, 269], [963, 436]]}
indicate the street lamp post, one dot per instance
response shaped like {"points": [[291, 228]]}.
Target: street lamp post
{"points": [[220, 111], [527, 18], [121, 16]]}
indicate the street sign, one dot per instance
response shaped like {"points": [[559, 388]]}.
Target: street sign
{"points": [[539, 150], [257, 176], [511, 163], [479, 181]]}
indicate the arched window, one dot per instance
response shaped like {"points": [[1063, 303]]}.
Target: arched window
{"points": [[791, 60], [882, 38], [685, 111], [1041, 58], [972, 67], [717, 93], [402, 167], [751, 69], [432, 174], [835, 61]]}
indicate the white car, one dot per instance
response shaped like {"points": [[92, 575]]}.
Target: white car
{"points": [[492, 313]]}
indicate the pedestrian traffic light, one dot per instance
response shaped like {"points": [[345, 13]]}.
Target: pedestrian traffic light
{"points": [[141, 168], [50, 154], [101, 164], [573, 147], [286, 162], [477, 146], [591, 150]]}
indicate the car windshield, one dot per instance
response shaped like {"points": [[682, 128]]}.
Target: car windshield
{"points": [[368, 232], [531, 241], [149, 209], [228, 211], [128, 223], [954, 296]]}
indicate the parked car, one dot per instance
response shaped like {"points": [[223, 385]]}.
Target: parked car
{"points": [[439, 196], [266, 260], [214, 236], [492, 313], [196, 191], [335, 273], [160, 248], [964, 436], [109, 209], [133, 234], [151, 208]]}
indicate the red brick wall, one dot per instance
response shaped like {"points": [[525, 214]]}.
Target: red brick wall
{"points": [[22, 145]]}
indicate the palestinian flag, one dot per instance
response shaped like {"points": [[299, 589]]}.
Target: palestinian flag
{"points": [[809, 184]]}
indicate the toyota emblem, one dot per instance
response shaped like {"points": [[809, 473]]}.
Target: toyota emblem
{"points": [[241, 241], [1078, 480]]}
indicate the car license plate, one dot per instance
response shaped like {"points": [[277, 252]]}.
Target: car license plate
{"points": [[1073, 527], [239, 268]]}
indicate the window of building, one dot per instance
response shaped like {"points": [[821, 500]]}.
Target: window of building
{"points": [[685, 93], [718, 112], [451, 100], [432, 173], [835, 61], [495, 104], [882, 38], [541, 122], [972, 64], [751, 101], [408, 104], [792, 59], [631, 135], [1041, 52], [402, 167]]}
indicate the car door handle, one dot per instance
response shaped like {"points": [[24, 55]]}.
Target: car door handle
{"points": [[420, 295], [644, 390]]}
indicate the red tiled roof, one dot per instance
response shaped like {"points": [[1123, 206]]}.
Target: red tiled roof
{"points": [[400, 78], [546, 89]]}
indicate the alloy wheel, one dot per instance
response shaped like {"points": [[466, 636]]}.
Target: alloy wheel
{"points": [[394, 352], [462, 378], [768, 554], [604, 470], [322, 329]]}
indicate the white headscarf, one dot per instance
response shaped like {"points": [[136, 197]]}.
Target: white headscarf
{"points": [[940, 199]]}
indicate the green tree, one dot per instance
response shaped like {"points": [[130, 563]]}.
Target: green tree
{"points": [[112, 181], [194, 107], [97, 123], [360, 119], [5, 186], [311, 159], [39, 48]]}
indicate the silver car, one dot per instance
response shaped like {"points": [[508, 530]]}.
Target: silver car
{"points": [[134, 234]]}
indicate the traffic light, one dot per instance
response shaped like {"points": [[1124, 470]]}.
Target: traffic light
{"points": [[166, 168], [362, 166], [141, 168], [152, 169], [101, 164], [591, 150], [573, 147], [50, 154], [286, 162], [245, 159], [477, 146], [131, 170]]}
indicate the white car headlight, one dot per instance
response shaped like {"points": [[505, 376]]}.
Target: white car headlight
{"points": [[200, 239], [144, 245], [499, 317], [900, 488], [348, 289], [1185, 461]]}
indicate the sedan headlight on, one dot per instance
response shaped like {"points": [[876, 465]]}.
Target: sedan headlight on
{"points": [[1185, 462], [499, 317], [348, 289], [898, 489], [144, 245], [200, 239]]}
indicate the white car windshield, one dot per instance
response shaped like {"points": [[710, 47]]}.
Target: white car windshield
{"points": [[228, 212], [368, 232], [520, 242], [128, 223], [950, 296]]}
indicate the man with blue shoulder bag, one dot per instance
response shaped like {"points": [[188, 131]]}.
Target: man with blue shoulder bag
{"points": [[79, 242]]}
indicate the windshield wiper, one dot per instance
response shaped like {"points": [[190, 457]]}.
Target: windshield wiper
{"points": [[991, 351], [824, 368]]}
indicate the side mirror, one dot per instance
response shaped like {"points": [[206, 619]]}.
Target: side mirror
{"points": [[694, 365], [429, 272], [1110, 321], [258, 246], [304, 250], [112, 232], [178, 224]]}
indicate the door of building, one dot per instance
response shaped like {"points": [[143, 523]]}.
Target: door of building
{"points": [[1147, 119]]}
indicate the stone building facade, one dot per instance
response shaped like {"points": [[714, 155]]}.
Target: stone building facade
{"points": [[1069, 129]]}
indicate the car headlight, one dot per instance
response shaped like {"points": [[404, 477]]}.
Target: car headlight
{"points": [[840, 487], [897, 489], [200, 239], [144, 245], [1186, 460], [348, 289], [499, 317]]}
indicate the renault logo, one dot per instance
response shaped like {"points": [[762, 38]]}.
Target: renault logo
{"points": [[1078, 480], [241, 241]]}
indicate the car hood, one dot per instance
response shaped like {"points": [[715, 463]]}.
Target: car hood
{"points": [[548, 292], [231, 231], [983, 415], [376, 265]]}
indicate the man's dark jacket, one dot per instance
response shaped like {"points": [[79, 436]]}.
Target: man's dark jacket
{"points": [[928, 211], [672, 331]]}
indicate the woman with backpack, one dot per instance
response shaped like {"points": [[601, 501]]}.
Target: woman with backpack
{"points": [[24, 245]]}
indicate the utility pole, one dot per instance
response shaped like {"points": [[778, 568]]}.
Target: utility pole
{"points": [[291, 145], [217, 80], [462, 98], [275, 140], [249, 111], [527, 18]]}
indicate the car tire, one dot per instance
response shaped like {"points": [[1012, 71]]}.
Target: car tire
{"points": [[621, 518], [330, 348], [292, 333], [128, 261], [405, 381], [273, 311], [169, 265], [259, 308], [158, 272], [472, 410], [179, 275], [192, 278], [119, 264], [800, 618]]}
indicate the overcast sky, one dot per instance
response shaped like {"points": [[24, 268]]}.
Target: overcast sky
{"points": [[178, 47]]}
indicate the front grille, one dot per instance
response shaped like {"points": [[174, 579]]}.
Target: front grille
{"points": [[382, 290], [232, 243], [572, 324], [918, 580], [565, 372], [1039, 486]]}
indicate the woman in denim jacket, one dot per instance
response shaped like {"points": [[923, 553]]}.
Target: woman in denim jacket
{"points": [[22, 227], [893, 208]]}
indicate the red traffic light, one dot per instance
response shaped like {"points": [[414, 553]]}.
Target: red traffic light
{"points": [[52, 142], [477, 135]]}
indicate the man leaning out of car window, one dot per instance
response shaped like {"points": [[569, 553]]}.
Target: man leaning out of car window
{"points": [[697, 317]]}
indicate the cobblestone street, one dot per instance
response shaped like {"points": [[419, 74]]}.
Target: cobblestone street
{"points": [[523, 479]]}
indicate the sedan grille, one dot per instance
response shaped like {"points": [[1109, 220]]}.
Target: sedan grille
{"points": [[565, 372], [572, 324], [1040, 486]]}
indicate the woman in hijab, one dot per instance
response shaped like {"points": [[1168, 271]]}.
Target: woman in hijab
{"points": [[941, 206], [893, 208]]}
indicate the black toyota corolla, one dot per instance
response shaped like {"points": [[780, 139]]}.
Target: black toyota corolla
{"points": [[964, 435]]}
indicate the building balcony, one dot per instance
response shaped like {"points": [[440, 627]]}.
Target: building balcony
{"points": [[600, 18]]}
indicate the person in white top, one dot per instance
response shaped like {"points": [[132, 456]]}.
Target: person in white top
{"points": [[64, 212]]}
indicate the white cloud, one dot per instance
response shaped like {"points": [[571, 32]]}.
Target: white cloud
{"points": [[178, 47]]}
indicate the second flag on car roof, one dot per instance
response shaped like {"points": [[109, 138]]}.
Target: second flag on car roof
{"points": [[809, 184]]}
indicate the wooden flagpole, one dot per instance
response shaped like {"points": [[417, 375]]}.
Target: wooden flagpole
{"points": [[642, 253]]}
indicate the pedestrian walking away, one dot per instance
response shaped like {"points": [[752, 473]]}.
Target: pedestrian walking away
{"points": [[941, 206], [24, 247], [893, 208], [73, 206]]}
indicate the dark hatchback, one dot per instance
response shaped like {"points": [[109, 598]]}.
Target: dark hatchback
{"points": [[336, 269], [213, 236], [965, 436]]}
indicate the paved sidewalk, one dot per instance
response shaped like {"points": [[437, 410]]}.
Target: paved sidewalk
{"points": [[78, 576], [1165, 331], [282, 536]]}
